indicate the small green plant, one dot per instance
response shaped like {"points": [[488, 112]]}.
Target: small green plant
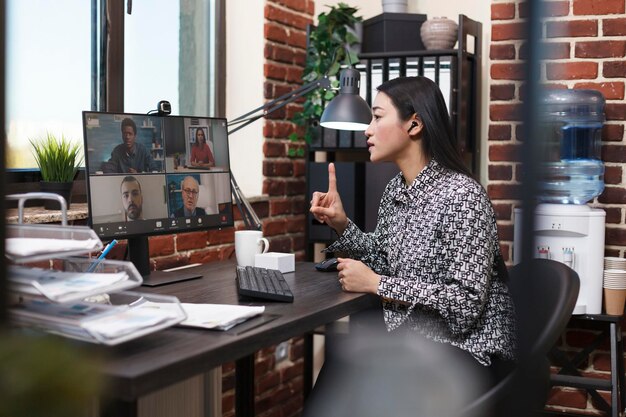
{"points": [[329, 47], [57, 158]]}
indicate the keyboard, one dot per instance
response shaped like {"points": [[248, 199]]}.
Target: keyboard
{"points": [[267, 284]]}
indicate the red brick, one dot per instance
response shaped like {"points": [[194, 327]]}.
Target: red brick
{"points": [[275, 71], [205, 256], [228, 402], [602, 362], [502, 92], [300, 206], [508, 153], [615, 236], [267, 382], [297, 187], [274, 187], [571, 70], [297, 5], [614, 27], [571, 28], [600, 49], [507, 31], [499, 132], [572, 398], [280, 244], [278, 207], [610, 90], [161, 245], [504, 250], [500, 172], [280, 53], [502, 11], [549, 50], [286, 17], [613, 195], [613, 132], [273, 149], [551, 8], [502, 52], [275, 32], [296, 38], [612, 175], [613, 216], [296, 224], [274, 227], [503, 211], [504, 192], [294, 74], [614, 69], [505, 231], [505, 112], [595, 7], [292, 372], [167, 262], [221, 236], [612, 252], [299, 168], [615, 111], [274, 168], [193, 240]]}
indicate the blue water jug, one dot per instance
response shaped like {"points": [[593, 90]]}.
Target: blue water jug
{"points": [[572, 171]]}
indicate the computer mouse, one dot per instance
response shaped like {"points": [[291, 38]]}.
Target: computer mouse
{"points": [[327, 265]]}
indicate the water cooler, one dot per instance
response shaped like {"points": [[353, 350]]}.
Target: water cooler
{"points": [[566, 228]]}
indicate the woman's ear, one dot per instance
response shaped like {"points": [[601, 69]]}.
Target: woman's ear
{"points": [[416, 123]]}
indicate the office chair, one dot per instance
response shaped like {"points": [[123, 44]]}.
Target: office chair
{"points": [[544, 293]]}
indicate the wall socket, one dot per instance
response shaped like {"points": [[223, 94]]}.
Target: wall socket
{"points": [[282, 351]]}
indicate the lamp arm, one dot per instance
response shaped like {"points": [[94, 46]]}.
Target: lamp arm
{"points": [[279, 102], [249, 216]]}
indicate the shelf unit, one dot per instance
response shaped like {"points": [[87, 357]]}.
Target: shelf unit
{"points": [[361, 183]]}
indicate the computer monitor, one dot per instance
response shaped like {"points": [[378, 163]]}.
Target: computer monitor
{"points": [[150, 175]]}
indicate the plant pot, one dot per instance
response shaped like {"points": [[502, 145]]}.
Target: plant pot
{"points": [[395, 6], [439, 33], [64, 189]]}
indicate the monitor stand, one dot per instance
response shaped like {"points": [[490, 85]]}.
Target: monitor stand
{"points": [[139, 253]]}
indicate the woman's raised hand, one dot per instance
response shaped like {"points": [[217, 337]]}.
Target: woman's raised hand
{"points": [[327, 208]]}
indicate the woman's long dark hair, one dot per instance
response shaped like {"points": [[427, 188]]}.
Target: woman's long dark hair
{"points": [[421, 96]]}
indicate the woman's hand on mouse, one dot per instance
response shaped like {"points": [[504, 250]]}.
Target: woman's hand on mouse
{"points": [[327, 207], [355, 276]]}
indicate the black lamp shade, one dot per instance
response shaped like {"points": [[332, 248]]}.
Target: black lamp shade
{"points": [[348, 110]]}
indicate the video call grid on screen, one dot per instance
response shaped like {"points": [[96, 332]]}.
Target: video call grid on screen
{"points": [[151, 174]]}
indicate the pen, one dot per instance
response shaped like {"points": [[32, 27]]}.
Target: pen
{"points": [[106, 250]]}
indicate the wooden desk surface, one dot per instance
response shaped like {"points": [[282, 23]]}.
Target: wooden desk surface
{"points": [[155, 361]]}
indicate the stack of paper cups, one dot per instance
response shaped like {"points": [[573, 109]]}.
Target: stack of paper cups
{"points": [[614, 284]]}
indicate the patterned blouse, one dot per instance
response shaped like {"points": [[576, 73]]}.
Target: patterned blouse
{"points": [[436, 247]]}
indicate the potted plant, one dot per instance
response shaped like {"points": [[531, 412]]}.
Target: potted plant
{"points": [[330, 44], [58, 160]]}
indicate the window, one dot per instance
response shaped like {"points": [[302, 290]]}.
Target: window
{"points": [[170, 53], [48, 81]]}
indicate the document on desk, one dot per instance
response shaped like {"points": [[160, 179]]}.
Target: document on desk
{"points": [[215, 316], [60, 286], [26, 246]]}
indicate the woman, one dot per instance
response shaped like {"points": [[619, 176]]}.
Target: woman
{"points": [[201, 155], [434, 254]]}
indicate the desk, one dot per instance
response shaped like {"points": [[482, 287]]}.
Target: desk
{"points": [[156, 361]]}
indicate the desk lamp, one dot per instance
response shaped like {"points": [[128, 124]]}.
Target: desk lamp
{"points": [[347, 111]]}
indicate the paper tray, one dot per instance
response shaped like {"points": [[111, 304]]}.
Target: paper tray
{"points": [[74, 279], [23, 242], [80, 320]]}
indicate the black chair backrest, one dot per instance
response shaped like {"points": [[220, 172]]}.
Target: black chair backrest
{"points": [[544, 293]]}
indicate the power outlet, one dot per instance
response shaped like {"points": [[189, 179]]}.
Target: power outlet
{"points": [[282, 351]]}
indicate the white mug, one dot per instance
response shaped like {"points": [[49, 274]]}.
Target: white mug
{"points": [[247, 244]]}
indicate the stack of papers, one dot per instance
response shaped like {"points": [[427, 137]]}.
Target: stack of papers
{"points": [[61, 286], [27, 246], [213, 316]]}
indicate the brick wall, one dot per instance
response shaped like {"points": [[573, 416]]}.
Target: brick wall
{"points": [[586, 49]]}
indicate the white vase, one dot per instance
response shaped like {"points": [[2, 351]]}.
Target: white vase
{"points": [[439, 33], [395, 6]]}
